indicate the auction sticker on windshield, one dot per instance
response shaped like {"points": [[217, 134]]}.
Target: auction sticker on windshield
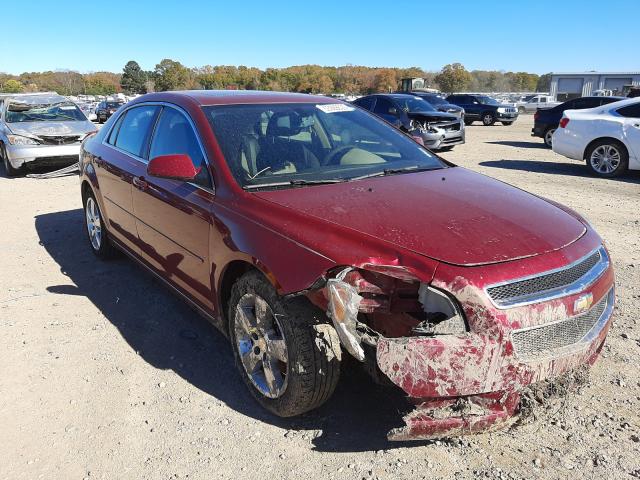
{"points": [[335, 107]]}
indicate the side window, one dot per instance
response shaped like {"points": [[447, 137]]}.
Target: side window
{"points": [[543, 99], [173, 135], [135, 130], [630, 111], [366, 103], [383, 106], [114, 131]]}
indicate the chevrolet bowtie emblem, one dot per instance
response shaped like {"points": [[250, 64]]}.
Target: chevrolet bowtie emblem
{"points": [[583, 303]]}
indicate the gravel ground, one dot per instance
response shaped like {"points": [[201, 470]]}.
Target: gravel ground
{"points": [[106, 375]]}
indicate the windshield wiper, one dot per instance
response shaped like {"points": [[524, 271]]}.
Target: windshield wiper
{"points": [[296, 182], [392, 171]]}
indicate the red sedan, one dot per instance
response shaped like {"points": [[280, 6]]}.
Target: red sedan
{"points": [[307, 229]]}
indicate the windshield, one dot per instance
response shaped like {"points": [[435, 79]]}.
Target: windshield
{"points": [[435, 100], [44, 112], [285, 144], [113, 104], [483, 99], [414, 104]]}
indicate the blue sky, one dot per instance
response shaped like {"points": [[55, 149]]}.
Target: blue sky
{"points": [[540, 36]]}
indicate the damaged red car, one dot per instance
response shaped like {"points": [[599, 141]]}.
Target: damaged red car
{"points": [[307, 229]]}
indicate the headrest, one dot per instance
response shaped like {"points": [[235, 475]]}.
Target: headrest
{"points": [[284, 124]]}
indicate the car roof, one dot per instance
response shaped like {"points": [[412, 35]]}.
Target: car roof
{"points": [[232, 97]]}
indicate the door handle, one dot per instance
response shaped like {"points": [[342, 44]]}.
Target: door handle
{"points": [[140, 183]]}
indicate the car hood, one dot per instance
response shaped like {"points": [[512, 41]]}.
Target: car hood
{"points": [[432, 116], [452, 215], [52, 128]]}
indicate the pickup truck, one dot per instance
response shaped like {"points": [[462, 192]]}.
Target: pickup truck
{"points": [[539, 101]]}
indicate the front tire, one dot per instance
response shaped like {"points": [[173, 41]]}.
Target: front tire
{"points": [[94, 225], [506, 124], [288, 358], [468, 122], [488, 119], [8, 168], [521, 110], [607, 158]]}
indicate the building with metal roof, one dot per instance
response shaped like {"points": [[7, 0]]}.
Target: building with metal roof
{"points": [[567, 85]]}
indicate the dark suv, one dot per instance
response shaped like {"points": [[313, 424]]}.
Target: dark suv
{"points": [[546, 120], [484, 108], [106, 109]]}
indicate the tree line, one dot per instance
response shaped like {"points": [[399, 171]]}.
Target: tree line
{"points": [[349, 79]]}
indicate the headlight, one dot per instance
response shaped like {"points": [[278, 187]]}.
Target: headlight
{"points": [[20, 140], [443, 314], [501, 109]]}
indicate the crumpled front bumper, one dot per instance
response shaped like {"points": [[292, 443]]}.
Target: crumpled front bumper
{"points": [[471, 383], [20, 155]]}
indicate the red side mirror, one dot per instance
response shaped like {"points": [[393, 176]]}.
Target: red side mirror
{"points": [[176, 166]]}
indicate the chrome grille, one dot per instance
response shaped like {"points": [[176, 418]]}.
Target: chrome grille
{"points": [[532, 288], [60, 139], [544, 339]]}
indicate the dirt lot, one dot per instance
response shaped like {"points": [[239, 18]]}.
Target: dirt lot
{"points": [[106, 375]]}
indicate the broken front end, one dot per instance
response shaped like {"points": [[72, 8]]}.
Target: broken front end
{"points": [[465, 344]]}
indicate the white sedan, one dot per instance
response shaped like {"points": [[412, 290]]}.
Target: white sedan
{"points": [[606, 137]]}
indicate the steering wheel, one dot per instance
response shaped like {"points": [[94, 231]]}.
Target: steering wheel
{"points": [[334, 157]]}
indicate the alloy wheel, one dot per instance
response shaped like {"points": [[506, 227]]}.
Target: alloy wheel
{"points": [[605, 159], [94, 225], [261, 345], [548, 137]]}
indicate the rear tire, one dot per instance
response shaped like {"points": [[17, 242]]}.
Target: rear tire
{"points": [[607, 158], [548, 134], [8, 168], [288, 358], [488, 119], [468, 122], [94, 225]]}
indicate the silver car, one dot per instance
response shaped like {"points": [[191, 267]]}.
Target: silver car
{"points": [[40, 129]]}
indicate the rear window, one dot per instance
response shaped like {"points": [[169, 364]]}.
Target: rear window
{"points": [[631, 111]]}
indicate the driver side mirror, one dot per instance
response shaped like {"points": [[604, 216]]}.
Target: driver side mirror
{"points": [[176, 166]]}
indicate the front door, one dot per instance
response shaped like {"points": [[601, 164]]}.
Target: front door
{"points": [[173, 216]]}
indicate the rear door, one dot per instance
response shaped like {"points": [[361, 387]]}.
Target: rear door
{"points": [[173, 216], [631, 128], [118, 160]]}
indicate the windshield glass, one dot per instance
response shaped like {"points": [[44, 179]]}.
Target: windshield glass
{"points": [[44, 112], [308, 143], [483, 99], [113, 104], [435, 100], [414, 104]]}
